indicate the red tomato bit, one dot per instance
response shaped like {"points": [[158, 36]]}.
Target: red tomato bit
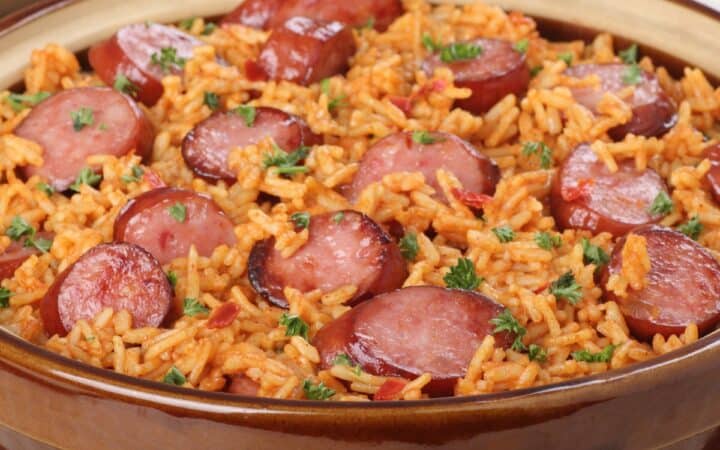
{"points": [[224, 315]]}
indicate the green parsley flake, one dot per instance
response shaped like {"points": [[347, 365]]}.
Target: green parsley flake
{"points": [[124, 85], [178, 211], [5, 295], [537, 353], [46, 188], [541, 148], [136, 174], [167, 58], [18, 102], [463, 276], [186, 24], [567, 57], [632, 75], [192, 307], [41, 244], [592, 254], [425, 138], [629, 55], [212, 100], [86, 176], [317, 392], [338, 217], [566, 288], [294, 325], [18, 228], [507, 322], [286, 163], [246, 112], [429, 44], [535, 70], [209, 29], [692, 228], [82, 118], [174, 377], [521, 46], [172, 278], [409, 246], [460, 51], [504, 233], [603, 356], [343, 359], [301, 219], [333, 103], [662, 205], [547, 241]]}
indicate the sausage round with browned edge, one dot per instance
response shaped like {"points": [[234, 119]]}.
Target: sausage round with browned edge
{"points": [[653, 112], [586, 195], [683, 285], [498, 70], [206, 147], [242, 385], [343, 248], [253, 13], [357, 13], [167, 221], [120, 276], [144, 53], [401, 152], [16, 253], [712, 153], [305, 51], [76, 123], [411, 331]]}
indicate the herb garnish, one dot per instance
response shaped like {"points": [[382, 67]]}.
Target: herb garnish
{"points": [[541, 148], [692, 228], [301, 219], [247, 112], [629, 55], [174, 377], [567, 57], [18, 102], [5, 295], [547, 241], [505, 321], [662, 205], [82, 118], [136, 174], [286, 163], [172, 278], [592, 254], [632, 75], [124, 85], [333, 103], [537, 353], [178, 211], [167, 58], [192, 307], [521, 46], [460, 51], [294, 325], [409, 246], [603, 356], [86, 176], [504, 233], [317, 392], [463, 276], [566, 288], [425, 138], [46, 188], [212, 100], [343, 359]]}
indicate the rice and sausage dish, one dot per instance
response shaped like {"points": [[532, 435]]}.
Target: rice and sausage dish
{"points": [[367, 200]]}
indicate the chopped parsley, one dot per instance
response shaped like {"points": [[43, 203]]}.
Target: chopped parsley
{"points": [[19, 228], [246, 112], [82, 118], [301, 219], [547, 241], [632, 75], [537, 353], [409, 246], [460, 51], [566, 288], [535, 70], [208, 29], [192, 307], [343, 359], [369, 25], [294, 325], [5, 295], [602, 356], [40, 243], [567, 57], [46, 188], [18, 102], [167, 58], [692, 228], [86, 176], [521, 46], [504, 233], [212, 100], [425, 138], [333, 103], [505, 321], [593, 254], [286, 163], [662, 205], [629, 55], [186, 24], [136, 173], [429, 44], [317, 391], [124, 85], [178, 211], [174, 377], [463, 276], [338, 217], [172, 278], [541, 148]]}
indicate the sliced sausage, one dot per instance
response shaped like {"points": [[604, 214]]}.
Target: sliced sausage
{"points": [[497, 71], [115, 127], [120, 276], [586, 195], [305, 51], [653, 112], [411, 331], [343, 248], [207, 146], [683, 285], [357, 13], [253, 13], [242, 385], [130, 51], [154, 221], [16, 253], [399, 152], [713, 176]]}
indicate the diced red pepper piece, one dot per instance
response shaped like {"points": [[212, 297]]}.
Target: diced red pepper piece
{"points": [[224, 315], [471, 199], [390, 389]]}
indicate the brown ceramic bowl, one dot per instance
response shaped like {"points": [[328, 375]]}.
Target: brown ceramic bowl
{"points": [[47, 401]]}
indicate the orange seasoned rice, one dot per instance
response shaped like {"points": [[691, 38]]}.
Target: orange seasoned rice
{"points": [[386, 64]]}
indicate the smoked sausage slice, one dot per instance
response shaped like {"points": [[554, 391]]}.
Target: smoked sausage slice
{"points": [[77, 123], [498, 70], [411, 331], [167, 221], [586, 195], [683, 285], [253, 13], [343, 248], [358, 13], [120, 276], [16, 253], [713, 176], [405, 152], [144, 53], [653, 112], [305, 51], [206, 147]]}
